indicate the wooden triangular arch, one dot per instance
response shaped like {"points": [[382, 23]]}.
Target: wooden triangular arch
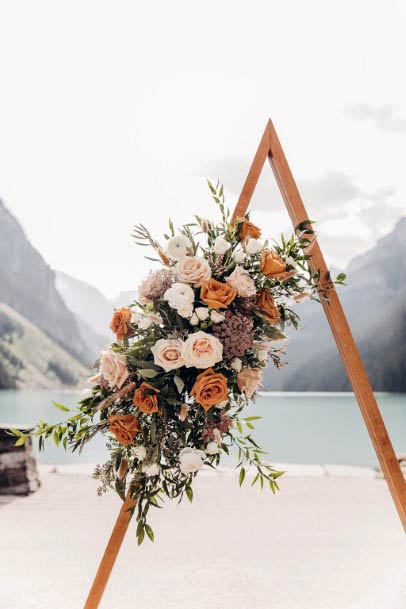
{"points": [[270, 148]]}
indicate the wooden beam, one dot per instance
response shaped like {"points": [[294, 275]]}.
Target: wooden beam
{"points": [[110, 554], [334, 313]]}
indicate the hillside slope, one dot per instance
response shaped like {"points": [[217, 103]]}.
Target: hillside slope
{"points": [[30, 359]]}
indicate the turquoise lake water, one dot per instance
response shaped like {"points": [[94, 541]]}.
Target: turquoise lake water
{"points": [[322, 428]]}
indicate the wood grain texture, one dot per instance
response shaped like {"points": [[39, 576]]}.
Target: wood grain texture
{"points": [[110, 554]]}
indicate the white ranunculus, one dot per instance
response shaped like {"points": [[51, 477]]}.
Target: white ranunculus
{"points": [[191, 460], [254, 246], [239, 256], [193, 270], [212, 448], [221, 246], [168, 353], [201, 350], [186, 311], [140, 452], [180, 296], [113, 368], [217, 317], [242, 282], [194, 320], [202, 313], [145, 321], [236, 364], [150, 469], [178, 247]]}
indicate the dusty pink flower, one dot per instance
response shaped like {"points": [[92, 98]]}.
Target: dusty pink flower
{"points": [[235, 334], [193, 270], [113, 368], [241, 281], [155, 284], [248, 380]]}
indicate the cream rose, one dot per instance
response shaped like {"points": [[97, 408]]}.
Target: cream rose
{"points": [[201, 350], [113, 368], [193, 270], [241, 281], [191, 460], [168, 353]]}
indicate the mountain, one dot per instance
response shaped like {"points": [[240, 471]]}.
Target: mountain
{"points": [[30, 359], [27, 284], [375, 304], [86, 302]]}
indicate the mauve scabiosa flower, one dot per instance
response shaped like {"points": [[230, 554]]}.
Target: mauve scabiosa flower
{"points": [[155, 284], [235, 333]]}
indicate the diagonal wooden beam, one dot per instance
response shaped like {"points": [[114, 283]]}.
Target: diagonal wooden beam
{"points": [[333, 310], [270, 147]]}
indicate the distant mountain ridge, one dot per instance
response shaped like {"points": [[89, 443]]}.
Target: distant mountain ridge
{"points": [[375, 304], [27, 284]]}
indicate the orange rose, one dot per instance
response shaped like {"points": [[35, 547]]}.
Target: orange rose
{"points": [[272, 265], [120, 324], [146, 399], [248, 229], [210, 388], [124, 427], [217, 295], [267, 307]]}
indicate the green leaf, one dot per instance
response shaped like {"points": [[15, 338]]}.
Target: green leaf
{"points": [[21, 440], [189, 493], [147, 373], [61, 407], [180, 385], [149, 532], [252, 418], [242, 476], [56, 438], [141, 536]]}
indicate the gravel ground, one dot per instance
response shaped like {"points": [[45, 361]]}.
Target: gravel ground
{"points": [[330, 540]]}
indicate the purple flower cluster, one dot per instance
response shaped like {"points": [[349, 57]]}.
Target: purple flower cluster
{"points": [[235, 333]]}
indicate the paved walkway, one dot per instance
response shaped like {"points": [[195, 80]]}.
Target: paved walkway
{"points": [[325, 542]]}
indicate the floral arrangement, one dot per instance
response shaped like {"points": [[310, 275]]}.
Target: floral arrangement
{"points": [[171, 392]]}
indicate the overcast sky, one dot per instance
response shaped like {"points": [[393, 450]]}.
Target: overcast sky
{"points": [[116, 112]]}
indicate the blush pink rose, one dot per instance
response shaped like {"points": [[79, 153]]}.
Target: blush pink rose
{"points": [[113, 368], [193, 270], [201, 350], [242, 282], [248, 380], [168, 353]]}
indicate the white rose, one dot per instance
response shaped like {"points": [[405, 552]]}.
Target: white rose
{"points": [[254, 246], [212, 448], [201, 350], [194, 270], [239, 255], [194, 320], [168, 353], [202, 313], [113, 368], [179, 296], [191, 460], [217, 317], [140, 452], [178, 247], [145, 321], [151, 469], [221, 246], [236, 364], [241, 281]]}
